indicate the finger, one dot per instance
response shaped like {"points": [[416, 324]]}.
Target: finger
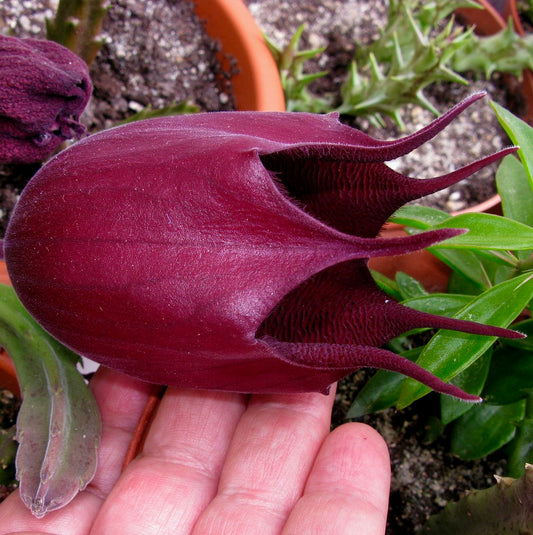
{"points": [[165, 489], [268, 462], [28, 533], [120, 400], [348, 489]]}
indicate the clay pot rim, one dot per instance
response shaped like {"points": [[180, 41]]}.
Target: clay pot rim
{"points": [[257, 85]]}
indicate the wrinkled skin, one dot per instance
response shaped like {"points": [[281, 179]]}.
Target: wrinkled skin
{"points": [[225, 251], [222, 463], [44, 88]]}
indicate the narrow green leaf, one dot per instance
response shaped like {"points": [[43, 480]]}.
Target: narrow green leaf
{"points": [[521, 134], [487, 231], [485, 428], [437, 303], [176, 108], [515, 190], [520, 450], [449, 352], [470, 380], [387, 285], [421, 217], [379, 393], [465, 263], [409, 286], [58, 425]]}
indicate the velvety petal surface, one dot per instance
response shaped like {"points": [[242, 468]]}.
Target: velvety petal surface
{"points": [[44, 88], [224, 251]]}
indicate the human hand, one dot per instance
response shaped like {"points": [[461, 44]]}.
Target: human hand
{"points": [[222, 464]]}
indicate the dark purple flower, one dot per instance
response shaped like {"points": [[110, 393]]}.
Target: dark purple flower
{"points": [[225, 250], [44, 88]]}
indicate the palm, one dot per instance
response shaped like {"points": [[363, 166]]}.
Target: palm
{"points": [[223, 464]]}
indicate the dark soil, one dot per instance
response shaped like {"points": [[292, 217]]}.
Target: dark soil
{"points": [[155, 54]]}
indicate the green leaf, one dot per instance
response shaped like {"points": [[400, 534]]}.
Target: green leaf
{"points": [[437, 303], [470, 380], [387, 285], [449, 352], [420, 217], [526, 344], [58, 425], [503, 509], [521, 134], [485, 428], [176, 108], [459, 284], [515, 191], [510, 376], [465, 263], [487, 231], [520, 450], [409, 286]]}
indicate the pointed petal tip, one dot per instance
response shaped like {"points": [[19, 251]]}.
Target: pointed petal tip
{"points": [[372, 247], [469, 398], [424, 319], [489, 330], [411, 142], [430, 185], [509, 333]]}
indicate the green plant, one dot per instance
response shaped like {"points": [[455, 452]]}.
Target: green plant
{"points": [[506, 507], [290, 61], [76, 25], [491, 281], [58, 425], [419, 45], [410, 54]]}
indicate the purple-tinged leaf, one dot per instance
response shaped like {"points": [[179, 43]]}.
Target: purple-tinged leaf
{"points": [[58, 425]]}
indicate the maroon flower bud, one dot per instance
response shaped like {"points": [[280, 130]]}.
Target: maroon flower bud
{"points": [[43, 90], [225, 250]]}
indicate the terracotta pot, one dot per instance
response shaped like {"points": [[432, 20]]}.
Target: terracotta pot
{"points": [[8, 376], [257, 85]]}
